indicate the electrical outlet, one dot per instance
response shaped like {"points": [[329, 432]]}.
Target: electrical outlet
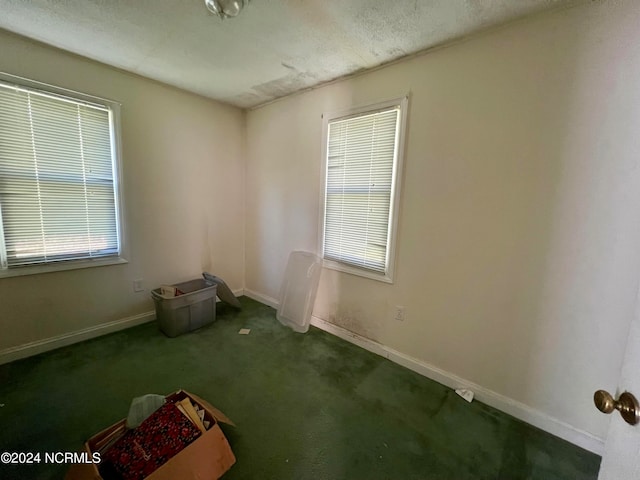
{"points": [[399, 313], [137, 286]]}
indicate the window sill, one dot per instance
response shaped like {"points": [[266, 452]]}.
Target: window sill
{"points": [[60, 267], [340, 267]]}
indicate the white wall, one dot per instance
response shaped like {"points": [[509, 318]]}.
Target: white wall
{"points": [[518, 257], [183, 169], [517, 254]]}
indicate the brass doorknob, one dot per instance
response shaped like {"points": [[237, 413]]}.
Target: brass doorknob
{"points": [[627, 405]]}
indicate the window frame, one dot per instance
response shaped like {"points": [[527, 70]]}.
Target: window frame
{"points": [[396, 186], [114, 108]]}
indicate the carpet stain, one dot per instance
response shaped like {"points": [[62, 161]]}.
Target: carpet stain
{"points": [[306, 406]]}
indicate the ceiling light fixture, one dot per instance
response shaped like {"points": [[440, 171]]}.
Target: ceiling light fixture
{"points": [[225, 8]]}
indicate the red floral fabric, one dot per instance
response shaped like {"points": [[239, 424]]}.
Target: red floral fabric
{"points": [[144, 449]]}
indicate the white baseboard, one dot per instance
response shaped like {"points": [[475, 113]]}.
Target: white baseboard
{"points": [[258, 297], [505, 404], [40, 346], [512, 407], [238, 292]]}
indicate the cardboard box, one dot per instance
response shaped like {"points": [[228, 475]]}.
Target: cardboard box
{"points": [[208, 457]]}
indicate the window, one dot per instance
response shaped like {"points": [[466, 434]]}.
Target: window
{"points": [[58, 177], [363, 153]]}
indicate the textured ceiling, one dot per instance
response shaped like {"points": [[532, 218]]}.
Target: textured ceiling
{"points": [[274, 48]]}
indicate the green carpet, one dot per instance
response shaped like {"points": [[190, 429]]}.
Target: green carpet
{"points": [[307, 406]]}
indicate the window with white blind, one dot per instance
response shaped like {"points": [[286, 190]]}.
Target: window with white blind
{"points": [[58, 177], [363, 154]]}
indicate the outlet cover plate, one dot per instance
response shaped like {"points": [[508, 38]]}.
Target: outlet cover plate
{"points": [[138, 286]]}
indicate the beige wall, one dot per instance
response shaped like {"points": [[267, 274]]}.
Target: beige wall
{"points": [[183, 169], [517, 255], [518, 247]]}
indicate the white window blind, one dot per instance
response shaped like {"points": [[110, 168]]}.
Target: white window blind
{"points": [[57, 188], [361, 156]]}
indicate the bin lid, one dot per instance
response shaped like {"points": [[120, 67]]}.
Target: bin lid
{"points": [[223, 291]]}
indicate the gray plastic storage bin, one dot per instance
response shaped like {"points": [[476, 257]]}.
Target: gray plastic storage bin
{"points": [[195, 308]]}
